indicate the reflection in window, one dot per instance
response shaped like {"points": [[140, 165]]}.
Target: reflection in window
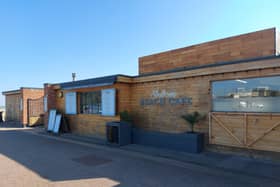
{"points": [[247, 95], [90, 102]]}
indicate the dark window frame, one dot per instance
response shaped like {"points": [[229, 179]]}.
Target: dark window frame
{"points": [[250, 101], [90, 102]]}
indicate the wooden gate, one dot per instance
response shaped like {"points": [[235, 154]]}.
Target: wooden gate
{"points": [[35, 111], [246, 130]]}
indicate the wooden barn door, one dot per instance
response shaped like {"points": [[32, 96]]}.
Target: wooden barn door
{"points": [[246, 130], [35, 111]]}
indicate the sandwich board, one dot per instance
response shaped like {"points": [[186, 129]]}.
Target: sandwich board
{"points": [[57, 123], [51, 122]]}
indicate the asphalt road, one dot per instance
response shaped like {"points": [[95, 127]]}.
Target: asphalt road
{"points": [[30, 159]]}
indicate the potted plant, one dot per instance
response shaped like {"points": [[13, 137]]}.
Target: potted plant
{"points": [[126, 117], [192, 119], [196, 139]]}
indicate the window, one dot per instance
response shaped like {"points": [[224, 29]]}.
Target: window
{"points": [[90, 102], [247, 95]]}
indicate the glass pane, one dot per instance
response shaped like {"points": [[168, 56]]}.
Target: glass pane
{"points": [[247, 95], [90, 102]]}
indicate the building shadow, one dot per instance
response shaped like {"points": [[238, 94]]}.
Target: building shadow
{"points": [[56, 160], [11, 124]]}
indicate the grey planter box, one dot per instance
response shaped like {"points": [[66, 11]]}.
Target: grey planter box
{"points": [[187, 142], [118, 133]]}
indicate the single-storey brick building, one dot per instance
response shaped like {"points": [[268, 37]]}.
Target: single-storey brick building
{"points": [[24, 105], [235, 81]]}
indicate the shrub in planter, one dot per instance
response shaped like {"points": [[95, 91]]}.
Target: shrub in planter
{"points": [[192, 119], [125, 116], [197, 139]]}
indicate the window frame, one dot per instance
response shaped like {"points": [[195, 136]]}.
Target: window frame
{"points": [[236, 111], [79, 103]]}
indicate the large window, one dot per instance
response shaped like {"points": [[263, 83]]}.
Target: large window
{"points": [[90, 102], [247, 95]]}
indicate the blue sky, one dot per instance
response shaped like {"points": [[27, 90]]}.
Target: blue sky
{"points": [[46, 40]]}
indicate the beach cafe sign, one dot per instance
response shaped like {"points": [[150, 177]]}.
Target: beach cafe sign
{"points": [[164, 97]]}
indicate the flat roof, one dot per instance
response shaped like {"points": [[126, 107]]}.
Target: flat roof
{"points": [[90, 83], [112, 79], [32, 88], [10, 92]]}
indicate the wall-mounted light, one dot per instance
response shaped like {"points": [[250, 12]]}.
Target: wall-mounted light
{"points": [[60, 94]]}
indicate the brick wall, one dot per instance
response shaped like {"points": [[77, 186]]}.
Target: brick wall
{"points": [[251, 45], [50, 94], [29, 93], [167, 117], [90, 124], [278, 43]]}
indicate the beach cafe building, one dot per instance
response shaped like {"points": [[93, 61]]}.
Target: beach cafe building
{"points": [[234, 81]]}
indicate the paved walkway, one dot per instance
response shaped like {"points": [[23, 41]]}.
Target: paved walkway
{"points": [[29, 157], [228, 162]]}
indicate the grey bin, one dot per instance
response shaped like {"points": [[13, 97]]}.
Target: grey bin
{"points": [[118, 133]]}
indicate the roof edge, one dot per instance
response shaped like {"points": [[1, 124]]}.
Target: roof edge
{"points": [[187, 68], [102, 77], [32, 88], [11, 92]]}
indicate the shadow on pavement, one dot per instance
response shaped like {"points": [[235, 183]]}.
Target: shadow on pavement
{"points": [[11, 124], [54, 160]]}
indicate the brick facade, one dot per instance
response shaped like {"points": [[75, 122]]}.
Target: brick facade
{"points": [[251, 45], [277, 43], [13, 112], [89, 124], [50, 95], [16, 104], [27, 94], [167, 117], [194, 84], [158, 100]]}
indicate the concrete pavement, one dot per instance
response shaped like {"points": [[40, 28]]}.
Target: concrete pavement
{"points": [[28, 158]]}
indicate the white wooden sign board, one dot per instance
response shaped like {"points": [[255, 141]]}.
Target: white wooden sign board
{"points": [[108, 102], [57, 123], [51, 121]]}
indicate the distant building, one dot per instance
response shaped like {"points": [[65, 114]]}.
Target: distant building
{"points": [[18, 105], [262, 92]]}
